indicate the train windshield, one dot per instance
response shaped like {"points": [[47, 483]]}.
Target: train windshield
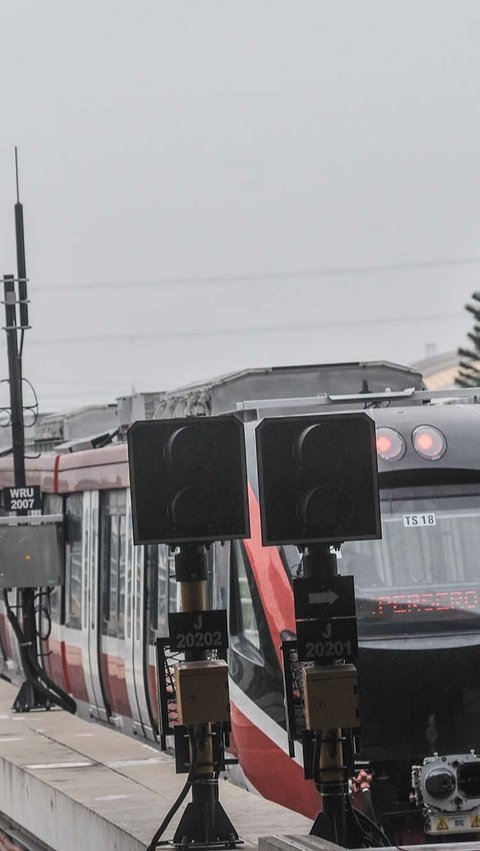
{"points": [[424, 575], [425, 572]]}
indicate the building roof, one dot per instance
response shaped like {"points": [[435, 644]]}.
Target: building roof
{"points": [[439, 371]]}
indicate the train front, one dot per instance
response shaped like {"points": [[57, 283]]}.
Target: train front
{"points": [[418, 607]]}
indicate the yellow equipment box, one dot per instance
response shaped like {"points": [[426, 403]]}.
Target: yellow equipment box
{"points": [[202, 692], [331, 698]]}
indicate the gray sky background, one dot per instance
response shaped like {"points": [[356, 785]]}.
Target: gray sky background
{"points": [[212, 184]]}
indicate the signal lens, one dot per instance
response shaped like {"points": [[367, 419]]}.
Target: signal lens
{"points": [[440, 783], [186, 452], [390, 444], [468, 779], [429, 442], [194, 508]]}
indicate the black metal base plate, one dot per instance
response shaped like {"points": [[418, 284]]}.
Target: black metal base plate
{"points": [[30, 698], [205, 824]]}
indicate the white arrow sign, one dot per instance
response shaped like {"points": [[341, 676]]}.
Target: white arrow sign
{"points": [[322, 597]]}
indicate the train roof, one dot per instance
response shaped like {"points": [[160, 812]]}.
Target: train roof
{"points": [[303, 386], [222, 394]]}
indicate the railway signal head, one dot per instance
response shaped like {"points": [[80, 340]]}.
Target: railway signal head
{"points": [[188, 480], [318, 479]]}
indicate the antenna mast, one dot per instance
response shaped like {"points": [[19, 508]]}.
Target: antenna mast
{"points": [[21, 264]]}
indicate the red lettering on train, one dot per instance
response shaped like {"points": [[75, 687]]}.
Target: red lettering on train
{"points": [[431, 601]]}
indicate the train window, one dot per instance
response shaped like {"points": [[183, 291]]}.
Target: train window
{"points": [[86, 591], [172, 585], [53, 504], [112, 561], [424, 571], [246, 619], [73, 559], [121, 574], [138, 596], [151, 561], [292, 559], [131, 568], [161, 589]]}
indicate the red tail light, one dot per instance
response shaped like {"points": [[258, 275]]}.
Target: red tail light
{"points": [[390, 444], [429, 442]]}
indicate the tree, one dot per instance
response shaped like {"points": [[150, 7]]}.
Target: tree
{"points": [[469, 373]]}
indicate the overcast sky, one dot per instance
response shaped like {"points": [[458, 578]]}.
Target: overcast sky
{"points": [[212, 184]]}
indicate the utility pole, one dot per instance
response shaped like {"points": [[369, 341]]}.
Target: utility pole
{"points": [[14, 350], [15, 322], [38, 691]]}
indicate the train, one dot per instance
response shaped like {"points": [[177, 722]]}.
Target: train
{"points": [[417, 593]]}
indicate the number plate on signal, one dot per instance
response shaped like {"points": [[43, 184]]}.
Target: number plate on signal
{"points": [[327, 640], [198, 630]]}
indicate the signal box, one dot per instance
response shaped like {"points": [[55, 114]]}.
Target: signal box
{"points": [[202, 692], [188, 480], [318, 479], [331, 697]]}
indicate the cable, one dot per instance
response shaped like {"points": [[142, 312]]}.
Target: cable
{"points": [[219, 729], [371, 832], [252, 277], [45, 610], [170, 334], [32, 408], [183, 794], [33, 672]]}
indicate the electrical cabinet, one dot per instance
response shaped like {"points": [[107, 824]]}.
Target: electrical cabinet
{"points": [[331, 698], [202, 692], [31, 552]]}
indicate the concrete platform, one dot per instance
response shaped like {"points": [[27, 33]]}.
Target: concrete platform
{"points": [[81, 786], [313, 843]]}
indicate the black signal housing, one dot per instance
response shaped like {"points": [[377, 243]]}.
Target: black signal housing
{"points": [[188, 480], [318, 479]]}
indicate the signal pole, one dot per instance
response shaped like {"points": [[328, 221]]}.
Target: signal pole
{"points": [[318, 487], [189, 489], [204, 821], [336, 821]]}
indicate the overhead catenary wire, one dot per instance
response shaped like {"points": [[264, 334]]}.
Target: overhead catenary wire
{"points": [[182, 333], [267, 275]]}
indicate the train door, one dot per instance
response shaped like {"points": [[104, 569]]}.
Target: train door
{"points": [[135, 639], [4, 653], [247, 663], [90, 619], [112, 541], [53, 639], [118, 633], [160, 599]]}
